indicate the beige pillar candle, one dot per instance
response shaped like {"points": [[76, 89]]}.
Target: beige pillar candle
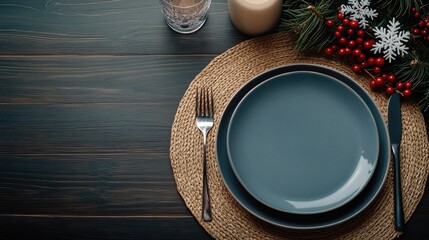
{"points": [[254, 17]]}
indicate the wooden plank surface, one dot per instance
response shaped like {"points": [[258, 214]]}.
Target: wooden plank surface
{"points": [[156, 79], [90, 135], [138, 184], [106, 27], [101, 228], [91, 104], [88, 93]]}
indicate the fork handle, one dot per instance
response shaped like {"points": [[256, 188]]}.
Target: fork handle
{"points": [[206, 211], [399, 211]]}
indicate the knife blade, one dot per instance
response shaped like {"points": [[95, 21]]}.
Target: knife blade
{"points": [[395, 134]]}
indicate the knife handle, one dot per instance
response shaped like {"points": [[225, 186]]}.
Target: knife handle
{"points": [[397, 191]]}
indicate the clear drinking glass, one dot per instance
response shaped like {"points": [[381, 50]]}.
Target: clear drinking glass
{"points": [[185, 16]]}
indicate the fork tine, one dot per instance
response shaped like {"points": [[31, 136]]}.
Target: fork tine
{"points": [[202, 109], [209, 107], [203, 102], [201, 99], [211, 103], [200, 102], [206, 103], [197, 102]]}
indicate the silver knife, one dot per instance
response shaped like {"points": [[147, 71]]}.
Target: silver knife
{"points": [[395, 133]]}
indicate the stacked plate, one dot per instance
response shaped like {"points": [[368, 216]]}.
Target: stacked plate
{"points": [[303, 147]]}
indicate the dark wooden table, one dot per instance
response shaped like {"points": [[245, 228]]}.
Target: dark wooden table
{"points": [[88, 93]]}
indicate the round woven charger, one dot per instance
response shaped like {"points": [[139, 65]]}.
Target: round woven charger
{"points": [[226, 74]]}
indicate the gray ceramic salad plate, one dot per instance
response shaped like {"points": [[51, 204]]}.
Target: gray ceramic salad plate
{"points": [[302, 142], [303, 221]]}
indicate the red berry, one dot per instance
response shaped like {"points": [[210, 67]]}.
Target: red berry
{"points": [[408, 85], [361, 33], [415, 31], [361, 57], [356, 52], [354, 24], [352, 43], [427, 38], [377, 70], [340, 28], [421, 24], [363, 64], [346, 22], [426, 20], [350, 32], [413, 9], [334, 47], [356, 68], [329, 51], [417, 15], [330, 23], [359, 40], [427, 24], [337, 34], [391, 78], [342, 51], [384, 76], [348, 51], [368, 44], [372, 84], [424, 32], [399, 85], [371, 61], [379, 81], [340, 16], [390, 90], [406, 92], [343, 41], [379, 61]]}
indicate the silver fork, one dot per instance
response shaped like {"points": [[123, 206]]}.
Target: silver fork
{"points": [[204, 120]]}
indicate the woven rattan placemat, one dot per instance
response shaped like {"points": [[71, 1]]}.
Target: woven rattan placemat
{"points": [[226, 74]]}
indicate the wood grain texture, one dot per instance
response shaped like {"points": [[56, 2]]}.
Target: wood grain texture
{"points": [[91, 104], [91, 228], [150, 80], [89, 185], [106, 27], [90, 135]]}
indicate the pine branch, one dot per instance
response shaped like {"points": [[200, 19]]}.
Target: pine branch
{"points": [[424, 99], [307, 21], [414, 67], [396, 7]]}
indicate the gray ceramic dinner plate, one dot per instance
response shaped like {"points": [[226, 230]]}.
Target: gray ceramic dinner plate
{"points": [[303, 142], [302, 221]]}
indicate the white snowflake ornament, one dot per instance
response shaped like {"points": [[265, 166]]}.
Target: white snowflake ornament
{"points": [[391, 41], [359, 11]]}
